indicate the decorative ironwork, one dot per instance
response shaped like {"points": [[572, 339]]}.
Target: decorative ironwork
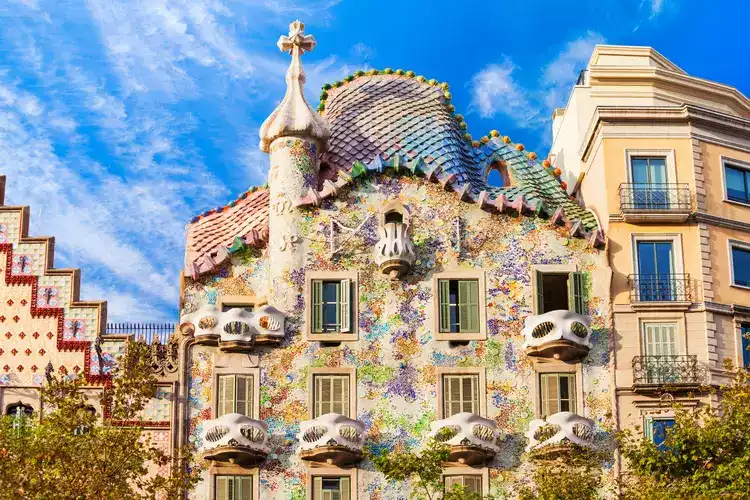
{"points": [[677, 370], [660, 287], [145, 331], [165, 357], [655, 197]]}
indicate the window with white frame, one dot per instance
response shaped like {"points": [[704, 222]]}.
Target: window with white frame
{"points": [[460, 394], [737, 179], [659, 339], [235, 395], [557, 393], [233, 488], [656, 429], [331, 306], [331, 394], [739, 256], [471, 483], [331, 488]]}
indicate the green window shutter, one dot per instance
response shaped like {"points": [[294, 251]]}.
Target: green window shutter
{"points": [[337, 395], [452, 396], [246, 488], [473, 484], [345, 488], [345, 396], [468, 306], [544, 395], [577, 294], [245, 395], [317, 306], [540, 292], [317, 488], [222, 488], [345, 308], [451, 481], [226, 395], [648, 428], [572, 391], [445, 308], [468, 393]]}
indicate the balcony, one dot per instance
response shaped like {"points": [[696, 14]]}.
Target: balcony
{"points": [[235, 438], [235, 330], [472, 439], [560, 334], [555, 436], [660, 291], [331, 438], [654, 202], [664, 373]]}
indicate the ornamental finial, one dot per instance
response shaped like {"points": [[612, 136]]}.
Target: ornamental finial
{"points": [[294, 116]]}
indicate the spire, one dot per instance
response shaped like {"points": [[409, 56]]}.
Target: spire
{"points": [[294, 116]]}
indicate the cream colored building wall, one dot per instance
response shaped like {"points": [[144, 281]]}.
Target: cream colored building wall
{"points": [[718, 241], [592, 192], [712, 155]]}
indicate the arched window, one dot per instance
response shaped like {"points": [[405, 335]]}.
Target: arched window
{"points": [[498, 175], [20, 413], [394, 212]]}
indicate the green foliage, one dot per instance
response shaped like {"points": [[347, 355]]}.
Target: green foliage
{"points": [[72, 453], [574, 476], [706, 454]]}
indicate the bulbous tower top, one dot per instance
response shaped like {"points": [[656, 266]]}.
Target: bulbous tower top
{"points": [[294, 116]]}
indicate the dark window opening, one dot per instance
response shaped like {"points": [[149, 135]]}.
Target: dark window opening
{"points": [[394, 217], [554, 292], [246, 307]]}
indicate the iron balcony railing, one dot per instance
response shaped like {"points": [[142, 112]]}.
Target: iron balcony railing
{"points": [[145, 331], [666, 370], [655, 197], [660, 288]]}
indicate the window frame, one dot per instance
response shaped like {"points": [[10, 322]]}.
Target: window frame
{"points": [[441, 372], [667, 154], [242, 301], [573, 395], [648, 429], [544, 366], [323, 371], [477, 275], [731, 245], [737, 165], [234, 470], [332, 472], [466, 470], [644, 323], [569, 269], [350, 336], [236, 370]]}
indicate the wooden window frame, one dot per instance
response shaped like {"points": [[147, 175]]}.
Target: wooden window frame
{"points": [[481, 371], [353, 334], [543, 366], [573, 395], [477, 275], [332, 472], [350, 372], [232, 370], [570, 270], [483, 472], [233, 470]]}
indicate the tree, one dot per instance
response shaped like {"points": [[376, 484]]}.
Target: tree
{"points": [[574, 476], [425, 468], [706, 454], [71, 453]]}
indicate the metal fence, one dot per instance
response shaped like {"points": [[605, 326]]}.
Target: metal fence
{"points": [[655, 197], [660, 287], [666, 370], [145, 331]]}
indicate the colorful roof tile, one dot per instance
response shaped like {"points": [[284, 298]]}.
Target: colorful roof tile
{"points": [[214, 235]]}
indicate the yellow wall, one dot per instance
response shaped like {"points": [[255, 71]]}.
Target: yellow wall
{"points": [[718, 241], [715, 189]]}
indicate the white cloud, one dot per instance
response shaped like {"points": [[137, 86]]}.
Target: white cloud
{"points": [[494, 90], [656, 8], [560, 75], [362, 51]]}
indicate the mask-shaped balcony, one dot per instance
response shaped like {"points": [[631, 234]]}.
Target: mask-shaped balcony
{"points": [[236, 329], [560, 334], [331, 438], [235, 438], [394, 252], [472, 439], [554, 436]]}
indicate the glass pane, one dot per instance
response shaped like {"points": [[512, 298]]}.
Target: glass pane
{"points": [[745, 331], [657, 171], [659, 430], [640, 170], [741, 266], [736, 184]]}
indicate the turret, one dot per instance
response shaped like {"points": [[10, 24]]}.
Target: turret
{"points": [[295, 136]]}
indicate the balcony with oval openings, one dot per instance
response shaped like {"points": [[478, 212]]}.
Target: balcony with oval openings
{"points": [[563, 335], [236, 329], [472, 439], [559, 434], [332, 439], [236, 439], [394, 252]]}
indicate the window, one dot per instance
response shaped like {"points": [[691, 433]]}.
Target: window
{"points": [[745, 343], [659, 339], [740, 262], [331, 488], [331, 306], [393, 217], [738, 183], [235, 395], [459, 306], [649, 176], [83, 428], [460, 394], [471, 484], [247, 307], [233, 488], [656, 430], [558, 393], [655, 271], [560, 291], [331, 394], [20, 413]]}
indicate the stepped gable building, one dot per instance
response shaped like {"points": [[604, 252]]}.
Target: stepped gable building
{"points": [[663, 158], [378, 291]]}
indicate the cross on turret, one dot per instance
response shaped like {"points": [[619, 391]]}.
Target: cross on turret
{"points": [[296, 38]]}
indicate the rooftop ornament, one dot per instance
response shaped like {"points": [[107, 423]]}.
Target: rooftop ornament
{"points": [[294, 116], [394, 252]]}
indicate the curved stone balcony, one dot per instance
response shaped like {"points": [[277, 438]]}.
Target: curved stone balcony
{"points": [[472, 439], [331, 438], [235, 329], [235, 438], [394, 252], [554, 436], [560, 334]]}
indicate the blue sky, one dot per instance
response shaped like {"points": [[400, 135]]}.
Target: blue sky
{"points": [[122, 119]]}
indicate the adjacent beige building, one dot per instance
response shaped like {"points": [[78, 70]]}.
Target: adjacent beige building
{"points": [[663, 159]]}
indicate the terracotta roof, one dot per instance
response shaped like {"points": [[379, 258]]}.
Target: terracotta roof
{"points": [[214, 235]]}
